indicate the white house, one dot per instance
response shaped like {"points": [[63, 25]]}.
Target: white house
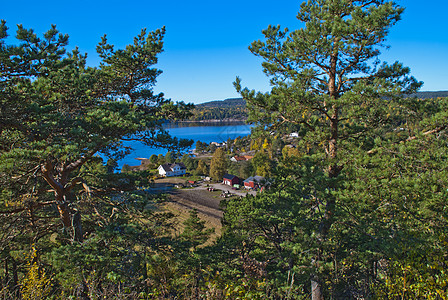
{"points": [[168, 170]]}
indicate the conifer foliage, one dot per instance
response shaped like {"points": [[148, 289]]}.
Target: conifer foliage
{"points": [[328, 79], [57, 115]]}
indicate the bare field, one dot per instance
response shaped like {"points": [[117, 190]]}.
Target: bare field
{"points": [[183, 200], [182, 213]]}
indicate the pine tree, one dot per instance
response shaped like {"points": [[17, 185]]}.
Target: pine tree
{"points": [[195, 233], [57, 114], [328, 79]]}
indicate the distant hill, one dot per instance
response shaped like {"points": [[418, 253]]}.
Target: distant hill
{"points": [[231, 102], [235, 102], [234, 109], [429, 95], [221, 110]]}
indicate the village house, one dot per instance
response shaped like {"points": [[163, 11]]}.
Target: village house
{"points": [[169, 170], [237, 158], [254, 182], [231, 180]]}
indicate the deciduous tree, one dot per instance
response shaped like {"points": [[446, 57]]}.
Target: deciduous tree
{"points": [[218, 165]]}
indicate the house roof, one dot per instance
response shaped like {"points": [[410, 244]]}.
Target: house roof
{"points": [[239, 158], [169, 167], [182, 166], [229, 176], [254, 179], [166, 167]]}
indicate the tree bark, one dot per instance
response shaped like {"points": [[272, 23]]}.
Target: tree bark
{"points": [[77, 227], [316, 289], [70, 223], [333, 172]]}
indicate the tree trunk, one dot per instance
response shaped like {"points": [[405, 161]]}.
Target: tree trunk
{"points": [[77, 227], [316, 289], [333, 172], [64, 213], [71, 223]]}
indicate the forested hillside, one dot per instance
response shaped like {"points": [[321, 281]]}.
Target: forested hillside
{"points": [[232, 102], [235, 108], [430, 95], [229, 109]]}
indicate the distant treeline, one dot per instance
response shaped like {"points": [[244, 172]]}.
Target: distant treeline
{"points": [[235, 108], [430, 95], [229, 109], [233, 102]]}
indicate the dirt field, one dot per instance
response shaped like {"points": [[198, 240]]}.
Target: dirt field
{"points": [[182, 213], [198, 197], [183, 200]]}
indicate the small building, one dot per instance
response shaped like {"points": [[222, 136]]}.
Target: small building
{"points": [[231, 180], [241, 158], [237, 158], [169, 170], [254, 182]]}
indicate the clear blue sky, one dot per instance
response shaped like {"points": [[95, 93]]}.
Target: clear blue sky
{"points": [[206, 41]]}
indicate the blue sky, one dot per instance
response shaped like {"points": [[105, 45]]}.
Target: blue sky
{"points": [[206, 41]]}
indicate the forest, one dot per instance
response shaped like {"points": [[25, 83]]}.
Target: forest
{"points": [[357, 209], [229, 109], [235, 108]]}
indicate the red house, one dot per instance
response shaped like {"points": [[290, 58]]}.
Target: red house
{"points": [[254, 182], [230, 179]]}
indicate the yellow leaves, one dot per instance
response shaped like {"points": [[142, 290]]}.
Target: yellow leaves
{"points": [[35, 285], [414, 281], [265, 144], [304, 113]]}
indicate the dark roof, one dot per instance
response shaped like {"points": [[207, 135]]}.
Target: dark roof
{"points": [[229, 176], [168, 167], [255, 179], [182, 166]]}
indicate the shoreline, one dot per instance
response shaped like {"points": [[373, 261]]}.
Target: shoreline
{"points": [[223, 121]]}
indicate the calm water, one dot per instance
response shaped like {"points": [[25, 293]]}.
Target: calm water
{"points": [[212, 132]]}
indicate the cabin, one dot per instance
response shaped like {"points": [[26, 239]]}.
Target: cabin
{"points": [[254, 182], [229, 179], [169, 170]]}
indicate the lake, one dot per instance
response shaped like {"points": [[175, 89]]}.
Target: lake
{"points": [[205, 132]]}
